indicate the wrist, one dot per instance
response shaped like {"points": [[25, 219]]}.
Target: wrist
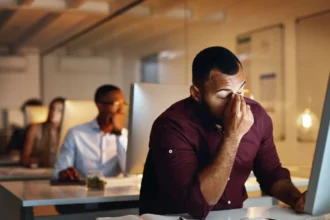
{"points": [[235, 139]]}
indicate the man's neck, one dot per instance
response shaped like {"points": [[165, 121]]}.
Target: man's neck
{"points": [[104, 127]]}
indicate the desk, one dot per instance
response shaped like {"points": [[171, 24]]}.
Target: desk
{"points": [[21, 173], [273, 212], [8, 161], [19, 197]]}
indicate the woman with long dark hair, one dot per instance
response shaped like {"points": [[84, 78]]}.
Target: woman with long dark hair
{"points": [[42, 140]]}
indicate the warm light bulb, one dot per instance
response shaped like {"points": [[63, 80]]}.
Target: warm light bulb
{"points": [[307, 126], [307, 120]]}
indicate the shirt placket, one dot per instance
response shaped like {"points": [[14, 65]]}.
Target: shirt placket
{"points": [[103, 149]]}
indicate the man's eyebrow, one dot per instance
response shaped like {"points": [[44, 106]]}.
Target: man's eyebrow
{"points": [[229, 90], [243, 84]]}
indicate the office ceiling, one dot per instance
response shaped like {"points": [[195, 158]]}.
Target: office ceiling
{"points": [[47, 24], [152, 19]]}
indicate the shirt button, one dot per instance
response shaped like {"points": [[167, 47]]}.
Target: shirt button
{"points": [[229, 202], [170, 151]]}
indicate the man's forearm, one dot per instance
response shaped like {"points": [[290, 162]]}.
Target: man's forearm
{"points": [[213, 179], [285, 191]]}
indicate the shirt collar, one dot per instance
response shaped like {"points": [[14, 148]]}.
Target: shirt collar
{"points": [[95, 125]]}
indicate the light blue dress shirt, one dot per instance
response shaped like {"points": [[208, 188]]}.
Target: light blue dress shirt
{"points": [[88, 149]]}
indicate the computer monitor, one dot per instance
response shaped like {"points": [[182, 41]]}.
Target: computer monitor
{"points": [[147, 102], [318, 195]]}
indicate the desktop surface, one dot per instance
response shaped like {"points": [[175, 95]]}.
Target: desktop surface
{"points": [[41, 193], [21, 173]]}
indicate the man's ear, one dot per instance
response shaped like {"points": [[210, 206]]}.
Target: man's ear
{"points": [[195, 93]]}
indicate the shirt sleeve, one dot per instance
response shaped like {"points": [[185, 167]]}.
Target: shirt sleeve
{"points": [[121, 150], [177, 167], [267, 167], [66, 157]]}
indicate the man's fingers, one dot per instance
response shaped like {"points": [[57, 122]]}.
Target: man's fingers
{"points": [[237, 105], [75, 174], [70, 175], [231, 102], [300, 207], [243, 105], [248, 111]]}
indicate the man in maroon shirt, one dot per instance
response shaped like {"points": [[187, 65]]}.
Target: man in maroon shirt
{"points": [[203, 148]]}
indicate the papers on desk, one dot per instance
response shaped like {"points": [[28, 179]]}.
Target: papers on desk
{"points": [[142, 217], [123, 181], [324, 217]]}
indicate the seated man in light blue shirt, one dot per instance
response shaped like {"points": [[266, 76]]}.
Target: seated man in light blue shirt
{"points": [[99, 145]]}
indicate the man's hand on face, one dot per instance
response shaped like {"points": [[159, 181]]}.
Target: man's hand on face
{"points": [[118, 121], [70, 174], [238, 118]]}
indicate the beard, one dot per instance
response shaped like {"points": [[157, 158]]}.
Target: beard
{"points": [[209, 114]]}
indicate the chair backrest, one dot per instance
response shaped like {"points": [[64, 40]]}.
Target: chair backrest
{"points": [[76, 113], [80, 112], [35, 114]]}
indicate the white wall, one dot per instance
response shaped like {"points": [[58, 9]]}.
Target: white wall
{"points": [[171, 70], [313, 61], [18, 86], [244, 16], [73, 77]]}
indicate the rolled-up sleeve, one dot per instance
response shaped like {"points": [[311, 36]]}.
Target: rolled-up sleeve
{"points": [[177, 167], [267, 167]]}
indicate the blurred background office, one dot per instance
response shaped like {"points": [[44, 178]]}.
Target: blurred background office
{"points": [[69, 48]]}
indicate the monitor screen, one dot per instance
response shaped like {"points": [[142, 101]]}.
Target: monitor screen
{"points": [[147, 102]]}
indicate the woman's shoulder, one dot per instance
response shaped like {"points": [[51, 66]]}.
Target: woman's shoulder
{"points": [[34, 128]]}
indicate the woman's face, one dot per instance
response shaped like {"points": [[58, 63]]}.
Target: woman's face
{"points": [[55, 113]]}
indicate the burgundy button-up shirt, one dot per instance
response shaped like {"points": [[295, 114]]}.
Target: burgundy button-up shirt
{"points": [[183, 141]]}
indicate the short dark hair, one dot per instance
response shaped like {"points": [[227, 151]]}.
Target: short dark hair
{"points": [[211, 58], [31, 102], [102, 90]]}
